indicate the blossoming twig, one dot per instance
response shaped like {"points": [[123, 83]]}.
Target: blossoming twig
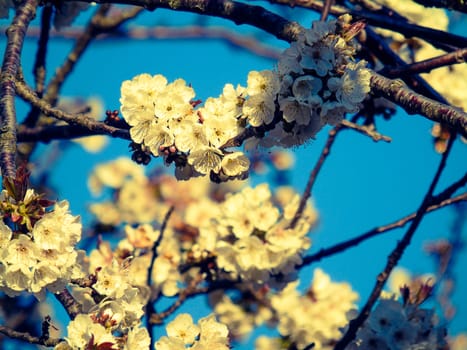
{"points": [[11, 63], [395, 256], [24, 336]]}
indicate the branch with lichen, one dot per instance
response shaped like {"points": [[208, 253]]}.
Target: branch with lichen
{"points": [[72, 307], [414, 103], [11, 62]]}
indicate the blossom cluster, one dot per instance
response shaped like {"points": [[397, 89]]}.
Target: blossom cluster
{"points": [[44, 257], [251, 236], [316, 82], [248, 234], [182, 332], [396, 326], [315, 317], [101, 330], [113, 304]]}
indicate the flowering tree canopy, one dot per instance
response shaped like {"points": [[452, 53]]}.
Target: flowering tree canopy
{"points": [[153, 242]]}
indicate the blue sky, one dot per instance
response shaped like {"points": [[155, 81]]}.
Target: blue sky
{"points": [[363, 184]]}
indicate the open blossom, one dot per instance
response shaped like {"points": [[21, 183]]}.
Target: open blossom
{"points": [[253, 238], [164, 123], [392, 325], [45, 258], [317, 316], [207, 334]]}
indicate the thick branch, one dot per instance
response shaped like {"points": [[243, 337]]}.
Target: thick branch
{"points": [[72, 307], [11, 63], [237, 12], [413, 103]]}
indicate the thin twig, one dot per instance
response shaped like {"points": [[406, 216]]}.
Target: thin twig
{"points": [[380, 48], [327, 4], [26, 337], [11, 62], [73, 57], [365, 130], [426, 66], [150, 310], [394, 257], [81, 120], [190, 290], [340, 247], [63, 132], [314, 174], [39, 69]]}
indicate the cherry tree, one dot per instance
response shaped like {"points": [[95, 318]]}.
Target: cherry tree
{"points": [[183, 217]]}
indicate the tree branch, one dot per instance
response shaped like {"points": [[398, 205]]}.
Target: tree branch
{"points": [[314, 174], [237, 12], [10, 66], [26, 337], [426, 66], [81, 120], [365, 130], [39, 69], [414, 103], [150, 310], [340, 247], [72, 307]]}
